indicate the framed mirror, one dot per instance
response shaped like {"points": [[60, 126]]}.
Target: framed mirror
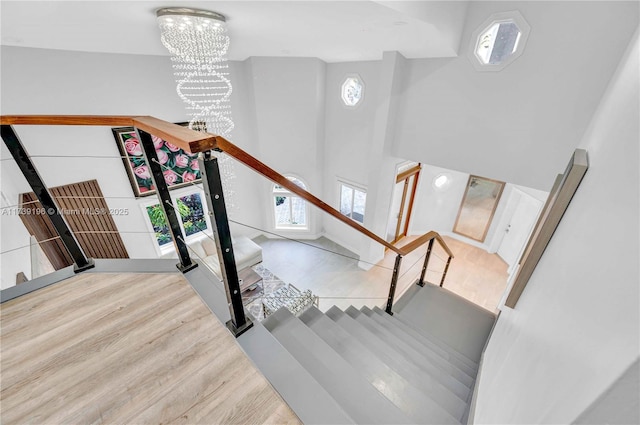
{"points": [[478, 207]]}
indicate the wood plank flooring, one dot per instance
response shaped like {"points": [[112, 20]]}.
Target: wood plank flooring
{"points": [[126, 348]]}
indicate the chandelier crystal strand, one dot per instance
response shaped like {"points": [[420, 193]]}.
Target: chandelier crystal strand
{"points": [[198, 43]]}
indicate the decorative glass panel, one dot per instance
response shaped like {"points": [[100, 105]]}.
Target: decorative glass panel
{"points": [[192, 214], [352, 89], [160, 226], [283, 210], [297, 182], [298, 211], [346, 200], [359, 201], [290, 210], [498, 42]]}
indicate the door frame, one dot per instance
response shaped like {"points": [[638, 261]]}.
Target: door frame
{"points": [[401, 231]]}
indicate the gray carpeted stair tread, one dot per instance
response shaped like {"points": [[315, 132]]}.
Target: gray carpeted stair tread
{"points": [[394, 359], [411, 354], [412, 401], [314, 405], [448, 318], [445, 359], [424, 335], [434, 343], [359, 399]]}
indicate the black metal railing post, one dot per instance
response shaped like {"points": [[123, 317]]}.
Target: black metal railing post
{"points": [[394, 283], [444, 273], [426, 263], [212, 182], [157, 176], [49, 205]]}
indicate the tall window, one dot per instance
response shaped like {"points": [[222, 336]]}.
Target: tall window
{"points": [[290, 209], [352, 201], [191, 216]]}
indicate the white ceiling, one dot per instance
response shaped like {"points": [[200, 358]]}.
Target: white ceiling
{"points": [[333, 31]]}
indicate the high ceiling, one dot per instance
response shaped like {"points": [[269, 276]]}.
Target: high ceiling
{"points": [[333, 31]]}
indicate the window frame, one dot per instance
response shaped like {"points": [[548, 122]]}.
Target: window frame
{"points": [[175, 194], [499, 18], [345, 79], [354, 187], [284, 192]]}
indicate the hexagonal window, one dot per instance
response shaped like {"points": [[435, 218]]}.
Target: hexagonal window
{"points": [[499, 41], [352, 91]]}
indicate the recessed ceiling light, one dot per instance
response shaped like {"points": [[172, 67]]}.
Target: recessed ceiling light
{"points": [[441, 181]]}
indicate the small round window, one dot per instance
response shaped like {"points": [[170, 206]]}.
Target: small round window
{"points": [[499, 41], [352, 91]]}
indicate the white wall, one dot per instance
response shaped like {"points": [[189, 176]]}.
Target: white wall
{"points": [[348, 138], [520, 124], [437, 209], [576, 327], [288, 102], [37, 81]]}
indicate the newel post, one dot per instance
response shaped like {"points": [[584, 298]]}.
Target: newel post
{"points": [[212, 182], [394, 283]]}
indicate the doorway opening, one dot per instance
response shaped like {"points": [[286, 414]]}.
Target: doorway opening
{"points": [[404, 195]]}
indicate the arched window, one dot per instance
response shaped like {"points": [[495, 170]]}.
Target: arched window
{"points": [[290, 210]]}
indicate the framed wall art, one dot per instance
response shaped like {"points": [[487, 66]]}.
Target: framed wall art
{"points": [[180, 168]]}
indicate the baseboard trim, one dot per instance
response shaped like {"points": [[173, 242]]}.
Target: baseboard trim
{"points": [[476, 386], [102, 266]]}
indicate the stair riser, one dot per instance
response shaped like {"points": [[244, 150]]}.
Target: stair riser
{"points": [[436, 359], [402, 393], [405, 351], [414, 374], [356, 396]]}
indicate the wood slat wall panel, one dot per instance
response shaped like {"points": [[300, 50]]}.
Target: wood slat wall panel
{"points": [[97, 233], [43, 231]]}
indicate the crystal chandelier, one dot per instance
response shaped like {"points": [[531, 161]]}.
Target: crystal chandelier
{"points": [[198, 43]]}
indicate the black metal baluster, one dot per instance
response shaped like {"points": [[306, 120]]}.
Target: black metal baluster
{"points": [[444, 274], [426, 263], [212, 182], [49, 205], [394, 283], [162, 190]]}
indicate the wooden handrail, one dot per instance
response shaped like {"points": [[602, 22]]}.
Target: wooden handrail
{"points": [[411, 246], [189, 140], [232, 150], [195, 141], [106, 120]]}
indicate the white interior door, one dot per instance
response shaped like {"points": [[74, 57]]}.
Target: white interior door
{"points": [[519, 227]]}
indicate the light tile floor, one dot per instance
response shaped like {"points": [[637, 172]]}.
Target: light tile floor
{"points": [[331, 272]]}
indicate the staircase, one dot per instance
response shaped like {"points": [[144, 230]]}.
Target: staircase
{"points": [[416, 367]]}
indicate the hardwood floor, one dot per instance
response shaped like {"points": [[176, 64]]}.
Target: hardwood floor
{"points": [[126, 348], [332, 272]]}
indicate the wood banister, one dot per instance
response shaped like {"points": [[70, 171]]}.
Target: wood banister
{"points": [[411, 246], [106, 120], [195, 141], [189, 140], [261, 168]]}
